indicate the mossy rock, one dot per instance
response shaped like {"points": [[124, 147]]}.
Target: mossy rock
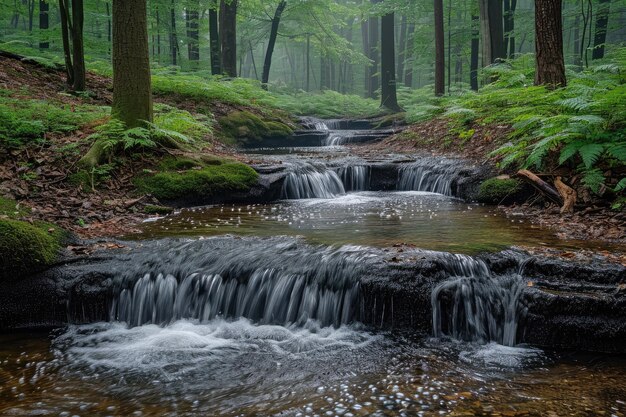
{"points": [[499, 190], [247, 129], [203, 180], [26, 248], [154, 209]]}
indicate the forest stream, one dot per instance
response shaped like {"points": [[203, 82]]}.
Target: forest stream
{"points": [[265, 308]]}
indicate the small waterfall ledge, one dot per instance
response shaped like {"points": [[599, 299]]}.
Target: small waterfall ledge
{"points": [[285, 281]]}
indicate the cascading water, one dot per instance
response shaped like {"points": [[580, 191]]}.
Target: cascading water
{"points": [[475, 306], [270, 281], [355, 177], [428, 175], [312, 181]]}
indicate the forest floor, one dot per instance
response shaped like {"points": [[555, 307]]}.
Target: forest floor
{"points": [[39, 177]]}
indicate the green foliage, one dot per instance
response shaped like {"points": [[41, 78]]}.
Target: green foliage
{"points": [[24, 121], [12, 209], [201, 180], [170, 119], [497, 190], [26, 248], [327, 104]]}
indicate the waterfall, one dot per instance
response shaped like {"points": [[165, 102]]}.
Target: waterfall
{"points": [[339, 138], [428, 175], [312, 181], [475, 306], [277, 282], [355, 177]]}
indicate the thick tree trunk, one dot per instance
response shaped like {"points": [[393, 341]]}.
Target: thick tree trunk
{"points": [[228, 35], [550, 65], [496, 26], [474, 52], [602, 20], [132, 95], [485, 32], [44, 24], [440, 87], [272, 42], [214, 39], [193, 36], [78, 50], [389, 99]]}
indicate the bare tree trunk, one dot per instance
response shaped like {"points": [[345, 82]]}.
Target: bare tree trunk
{"points": [[602, 20], [410, 51], [374, 53], [402, 47], [193, 36], [173, 35], [78, 49], [474, 52], [132, 94], [272, 42], [389, 99], [366, 52], [44, 24], [550, 68], [228, 37], [214, 39], [440, 84]]}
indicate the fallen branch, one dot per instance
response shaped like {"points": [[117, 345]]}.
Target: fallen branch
{"points": [[568, 194], [543, 187]]}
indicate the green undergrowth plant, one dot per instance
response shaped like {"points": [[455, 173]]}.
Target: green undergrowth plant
{"points": [[27, 121]]}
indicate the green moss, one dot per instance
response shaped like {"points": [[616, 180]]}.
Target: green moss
{"points": [[245, 128], [12, 209], [497, 190], [26, 248], [152, 209], [210, 180]]}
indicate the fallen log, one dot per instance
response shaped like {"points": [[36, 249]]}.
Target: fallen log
{"points": [[568, 194], [543, 187]]}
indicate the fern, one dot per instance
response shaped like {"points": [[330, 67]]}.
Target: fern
{"points": [[618, 151], [575, 103], [590, 153], [621, 186], [593, 178]]}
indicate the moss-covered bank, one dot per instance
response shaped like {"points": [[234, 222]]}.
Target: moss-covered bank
{"points": [[246, 129], [188, 179]]}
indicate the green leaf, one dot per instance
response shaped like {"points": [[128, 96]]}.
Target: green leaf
{"points": [[590, 153]]}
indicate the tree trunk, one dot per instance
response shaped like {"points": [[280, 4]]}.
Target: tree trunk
{"points": [[511, 43], [366, 52], [272, 42], [440, 87], [389, 99], [474, 52], [410, 50], [485, 32], [67, 47], [402, 47], [496, 26], [78, 50], [173, 35], [44, 24], [228, 35], [132, 95], [308, 63], [374, 54], [550, 65], [602, 20], [193, 36], [214, 39]]}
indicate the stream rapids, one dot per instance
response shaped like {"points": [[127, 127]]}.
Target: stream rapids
{"points": [[272, 309]]}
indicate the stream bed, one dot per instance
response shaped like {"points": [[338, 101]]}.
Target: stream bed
{"points": [[223, 326]]}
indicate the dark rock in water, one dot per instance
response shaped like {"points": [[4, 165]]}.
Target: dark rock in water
{"points": [[507, 297]]}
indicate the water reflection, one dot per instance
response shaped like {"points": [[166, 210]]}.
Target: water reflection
{"points": [[383, 219]]}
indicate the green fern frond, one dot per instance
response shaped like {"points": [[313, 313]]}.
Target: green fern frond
{"points": [[621, 186], [618, 151], [610, 68], [591, 119], [569, 151], [593, 178], [574, 103], [590, 153]]}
